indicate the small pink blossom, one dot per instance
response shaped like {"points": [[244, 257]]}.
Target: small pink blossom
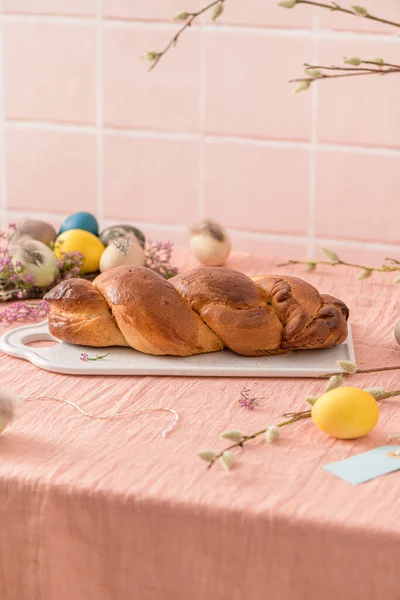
{"points": [[29, 279], [24, 311], [85, 357], [158, 258], [246, 400]]}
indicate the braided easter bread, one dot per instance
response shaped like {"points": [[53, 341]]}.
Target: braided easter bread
{"points": [[202, 310]]}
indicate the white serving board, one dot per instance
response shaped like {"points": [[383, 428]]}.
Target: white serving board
{"points": [[65, 358]]}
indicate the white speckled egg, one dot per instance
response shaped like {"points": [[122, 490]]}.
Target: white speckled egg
{"points": [[397, 332], [122, 251], [210, 244], [37, 230], [37, 260]]}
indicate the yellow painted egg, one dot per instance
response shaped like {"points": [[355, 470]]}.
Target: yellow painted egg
{"points": [[78, 240], [346, 413]]}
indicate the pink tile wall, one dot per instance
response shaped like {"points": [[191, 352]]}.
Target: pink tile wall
{"points": [[85, 8], [252, 98], [246, 187], [49, 71], [165, 100], [51, 171], [148, 179], [213, 131]]}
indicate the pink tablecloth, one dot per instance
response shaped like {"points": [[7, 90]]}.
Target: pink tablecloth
{"points": [[113, 511]]}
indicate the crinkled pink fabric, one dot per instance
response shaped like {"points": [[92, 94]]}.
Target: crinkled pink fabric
{"points": [[113, 511]]}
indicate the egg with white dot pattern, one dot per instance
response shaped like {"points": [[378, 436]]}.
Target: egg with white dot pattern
{"points": [[122, 251]]}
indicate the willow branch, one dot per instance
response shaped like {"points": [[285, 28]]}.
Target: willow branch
{"points": [[294, 418], [383, 269], [373, 68], [359, 371], [218, 5], [354, 73], [334, 260], [334, 7], [155, 57]]}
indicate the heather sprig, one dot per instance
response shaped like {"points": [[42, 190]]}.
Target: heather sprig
{"points": [[85, 357], [246, 400], [69, 265], [158, 258], [24, 311], [11, 273]]}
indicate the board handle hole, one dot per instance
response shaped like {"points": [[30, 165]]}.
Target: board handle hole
{"points": [[39, 340], [41, 343]]}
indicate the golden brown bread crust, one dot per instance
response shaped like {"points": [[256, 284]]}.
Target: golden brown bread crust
{"points": [[202, 310], [152, 315], [80, 315], [232, 306]]}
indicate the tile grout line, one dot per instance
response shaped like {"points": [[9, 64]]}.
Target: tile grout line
{"points": [[13, 124], [99, 111], [311, 250], [228, 27], [3, 185], [202, 124]]}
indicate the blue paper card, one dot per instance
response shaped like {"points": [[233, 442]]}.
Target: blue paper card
{"points": [[367, 465]]}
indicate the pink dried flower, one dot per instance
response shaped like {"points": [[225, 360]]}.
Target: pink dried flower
{"points": [[158, 258], [9, 272], [246, 400], [70, 265], [24, 311], [29, 279], [85, 357]]}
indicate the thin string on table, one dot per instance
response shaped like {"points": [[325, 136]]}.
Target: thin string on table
{"points": [[116, 415]]}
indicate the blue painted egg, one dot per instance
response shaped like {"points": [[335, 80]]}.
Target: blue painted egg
{"points": [[81, 220]]}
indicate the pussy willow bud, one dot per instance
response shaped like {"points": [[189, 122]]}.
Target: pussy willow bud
{"points": [[330, 254], [232, 434], [287, 3], [359, 10], [182, 16], [311, 266], [207, 455], [378, 393], [314, 73], [226, 459], [150, 55], [334, 382], [311, 400], [302, 86], [272, 434], [354, 60], [219, 9], [377, 61], [346, 366], [396, 279], [364, 274]]}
